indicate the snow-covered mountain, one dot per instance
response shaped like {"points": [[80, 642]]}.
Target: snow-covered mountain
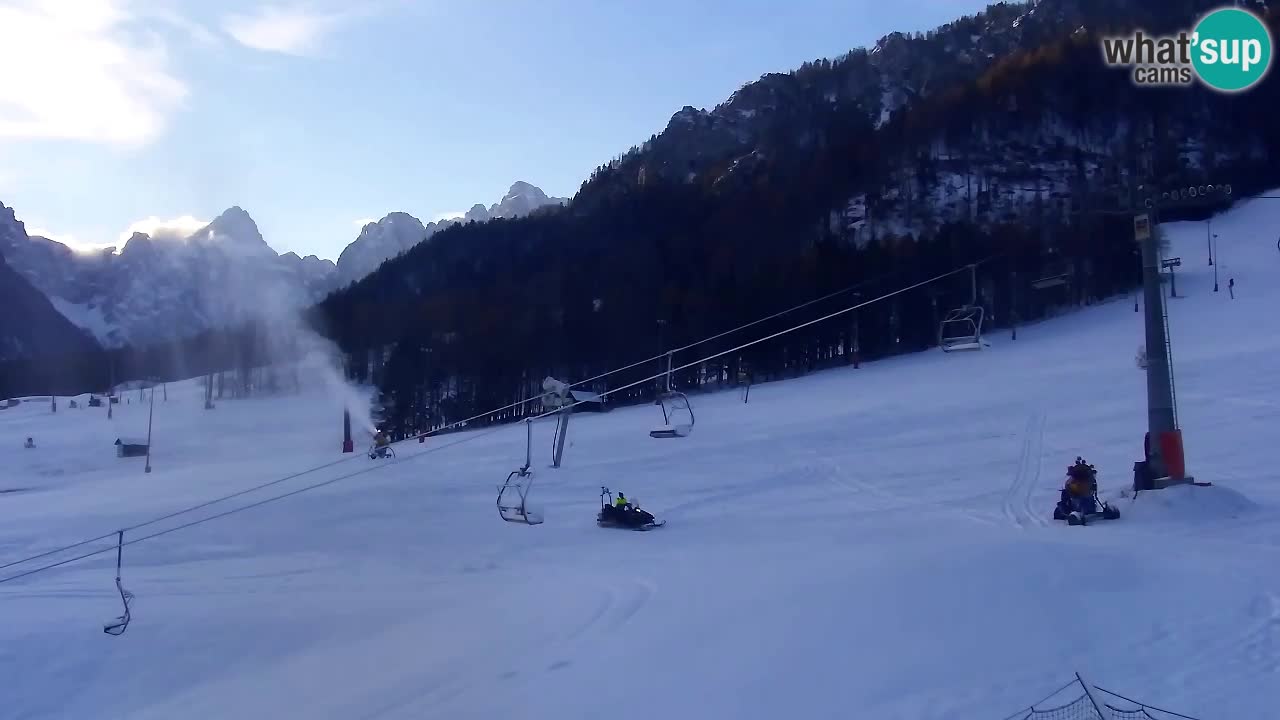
{"points": [[397, 232], [154, 290], [30, 327], [379, 241], [521, 200], [315, 274]]}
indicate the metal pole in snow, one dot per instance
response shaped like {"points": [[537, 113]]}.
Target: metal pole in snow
{"points": [[528, 443], [1215, 265], [1208, 238], [562, 429], [150, 414]]}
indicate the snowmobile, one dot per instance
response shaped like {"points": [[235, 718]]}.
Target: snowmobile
{"points": [[629, 517], [1080, 510]]}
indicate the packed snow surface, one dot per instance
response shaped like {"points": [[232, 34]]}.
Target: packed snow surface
{"points": [[870, 543]]}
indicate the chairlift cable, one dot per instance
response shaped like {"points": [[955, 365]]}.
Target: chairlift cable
{"points": [[168, 516], [469, 438], [250, 506], [780, 333], [667, 353], [240, 493], [55, 551]]}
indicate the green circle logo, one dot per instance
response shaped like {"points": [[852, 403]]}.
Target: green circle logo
{"points": [[1231, 49]]}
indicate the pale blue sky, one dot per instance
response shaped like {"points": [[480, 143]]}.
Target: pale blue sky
{"points": [[313, 116]]}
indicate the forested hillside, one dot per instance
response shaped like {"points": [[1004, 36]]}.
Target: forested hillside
{"points": [[1000, 136]]}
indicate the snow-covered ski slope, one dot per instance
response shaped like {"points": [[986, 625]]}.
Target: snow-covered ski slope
{"points": [[869, 543]]}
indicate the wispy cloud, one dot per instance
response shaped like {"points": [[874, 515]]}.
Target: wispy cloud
{"points": [[194, 31], [362, 222], [179, 228], [290, 30], [82, 70], [67, 239], [447, 216]]}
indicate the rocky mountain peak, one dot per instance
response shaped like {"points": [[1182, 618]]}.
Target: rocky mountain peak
{"points": [[388, 237], [396, 232], [137, 242], [233, 226]]}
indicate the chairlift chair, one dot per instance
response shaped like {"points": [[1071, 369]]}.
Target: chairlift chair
{"points": [[677, 413], [961, 329], [121, 623], [513, 496], [513, 499], [677, 416]]}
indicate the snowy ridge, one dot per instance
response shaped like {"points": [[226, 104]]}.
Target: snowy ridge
{"points": [[158, 289], [883, 531], [397, 232]]}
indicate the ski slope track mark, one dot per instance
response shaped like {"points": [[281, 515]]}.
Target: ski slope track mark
{"points": [[619, 605], [1018, 505]]}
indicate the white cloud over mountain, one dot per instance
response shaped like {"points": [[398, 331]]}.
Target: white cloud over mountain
{"points": [[177, 228]]}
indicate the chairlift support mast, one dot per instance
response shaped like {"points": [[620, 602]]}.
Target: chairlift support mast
{"points": [[560, 397]]}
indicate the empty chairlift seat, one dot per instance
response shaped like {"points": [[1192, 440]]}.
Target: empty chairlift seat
{"points": [[961, 329], [513, 496], [513, 499], [677, 416]]}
